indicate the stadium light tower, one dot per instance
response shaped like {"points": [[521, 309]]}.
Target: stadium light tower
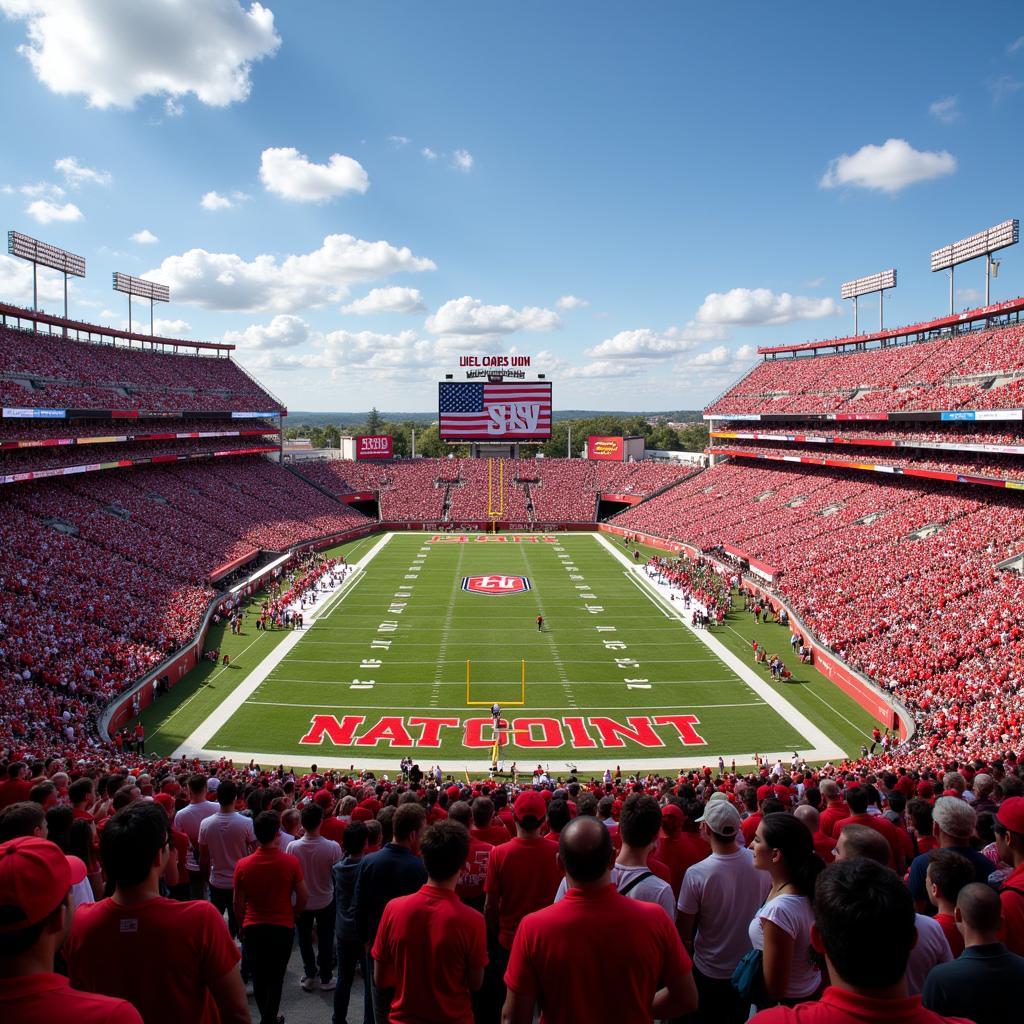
{"points": [[42, 253], [984, 243], [867, 286], [143, 289]]}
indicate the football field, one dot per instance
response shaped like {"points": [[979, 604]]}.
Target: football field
{"points": [[427, 631]]}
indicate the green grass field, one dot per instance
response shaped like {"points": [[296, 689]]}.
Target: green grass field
{"points": [[613, 677]]}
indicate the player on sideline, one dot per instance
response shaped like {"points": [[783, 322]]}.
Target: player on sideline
{"points": [[540, 623]]}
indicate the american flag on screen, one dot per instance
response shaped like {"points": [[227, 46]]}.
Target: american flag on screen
{"points": [[480, 411]]}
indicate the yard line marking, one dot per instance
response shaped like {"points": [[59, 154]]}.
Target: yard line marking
{"points": [[442, 649], [556, 657], [831, 708], [640, 708], [823, 748], [306, 681]]}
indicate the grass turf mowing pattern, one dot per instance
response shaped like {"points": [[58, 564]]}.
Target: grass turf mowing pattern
{"points": [[411, 598]]}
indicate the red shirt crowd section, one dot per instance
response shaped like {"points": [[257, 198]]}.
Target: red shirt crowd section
{"points": [[84, 614], [50, 371], [456, 490], [900, 579], [924, 376], [28, 460], [910, 434], [1009, 467]]}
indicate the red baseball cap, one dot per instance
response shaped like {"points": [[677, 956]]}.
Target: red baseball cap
{"points": [[166, 801], [530, 805], [1011, 814], [323, 798], [764, 792], [35, 876]]}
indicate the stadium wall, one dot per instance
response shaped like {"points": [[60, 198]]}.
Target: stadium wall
{"points": [[888, 712]]}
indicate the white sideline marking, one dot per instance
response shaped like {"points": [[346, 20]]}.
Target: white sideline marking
{"points": [[196, 744], [823, 748]]}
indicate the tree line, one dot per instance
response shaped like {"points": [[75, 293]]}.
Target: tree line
{"points": [[658, 435]]}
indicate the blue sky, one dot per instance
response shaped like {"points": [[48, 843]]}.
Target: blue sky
{"points": [[636, 195]]}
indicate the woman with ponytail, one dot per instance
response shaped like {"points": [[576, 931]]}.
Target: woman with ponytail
{"points": [[783, 847]]}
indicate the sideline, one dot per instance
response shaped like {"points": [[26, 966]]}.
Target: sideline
{"points": [[195, 744], [822, 748]]}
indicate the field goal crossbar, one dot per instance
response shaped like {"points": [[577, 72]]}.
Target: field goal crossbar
{"points": [[487, 703]]}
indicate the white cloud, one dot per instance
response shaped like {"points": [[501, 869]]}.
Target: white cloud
{"points": [[227, 281], [762, 306], [1003, 86], [571, 302], [76, 174], [1017, 44], [815, 282], [284, 331], [969, 295], [946, 110], [16, 282], [44, 189], [173, 107], [467, 316], [387, 300], [171, 328], [643, 343], [428, 153], [399, 140], [289, 173], [46, 212], [145, 237], [215, 201], [462, 160], [888, 168], [118, 51]]}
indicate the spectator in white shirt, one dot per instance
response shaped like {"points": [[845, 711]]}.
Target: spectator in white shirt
{"points": [[317, 856], [718, 897], [188, 820], [224, 839]]}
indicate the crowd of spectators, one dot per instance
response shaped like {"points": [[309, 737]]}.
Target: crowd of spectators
{"points": [[983, 464], [901, 579], [30, 460], [456, 490], [914, 435], [980, 370], [48, 370], [143, 889], [32, 432]]}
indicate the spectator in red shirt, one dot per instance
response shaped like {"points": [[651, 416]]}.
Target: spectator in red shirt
{"points": [[431, 949], [559, 815], [470, 887], [858, 798], [36, 906], [173, 961], [946, 875], [864, 926], [1010, 844], [17, 786], [823, 845], [522, 876], [485, 827], [680, 845], [835, 810], [265, 884], [653, 974]]}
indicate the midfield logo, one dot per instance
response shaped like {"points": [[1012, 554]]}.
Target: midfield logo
{"points": [[495, 584]]}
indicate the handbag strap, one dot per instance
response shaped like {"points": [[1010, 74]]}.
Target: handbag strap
{"points": [[634, 882]]}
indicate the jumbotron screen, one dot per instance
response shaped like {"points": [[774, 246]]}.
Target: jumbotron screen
{"points": [[506, 411]]}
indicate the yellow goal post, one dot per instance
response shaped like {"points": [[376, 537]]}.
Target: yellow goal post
{"points": [[504, 703]]}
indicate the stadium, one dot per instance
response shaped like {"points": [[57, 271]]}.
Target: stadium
{"points": [[509, 613]]}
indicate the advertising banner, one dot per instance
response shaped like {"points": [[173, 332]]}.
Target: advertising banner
{"points": [[375, 447], [606, 449]]}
